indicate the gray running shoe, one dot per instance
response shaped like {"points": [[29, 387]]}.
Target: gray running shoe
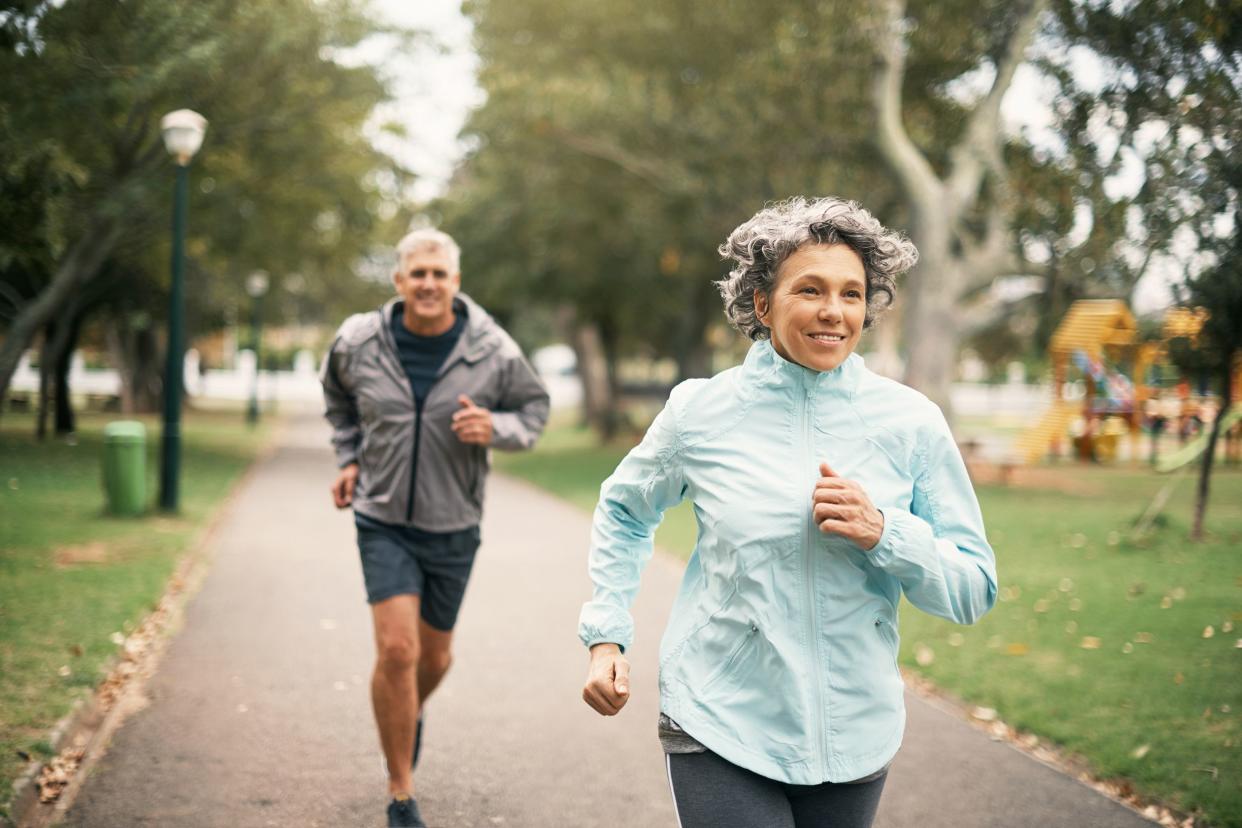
{"points": [[403, 813]]}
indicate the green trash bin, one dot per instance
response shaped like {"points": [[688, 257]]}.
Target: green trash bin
{"points": [[125, 467]]}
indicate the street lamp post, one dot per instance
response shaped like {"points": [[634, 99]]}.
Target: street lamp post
{"points": [[183, 135], [256, 286]]}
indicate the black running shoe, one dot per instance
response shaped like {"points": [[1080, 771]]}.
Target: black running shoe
{"points": [[403, 813], [418, 742]]}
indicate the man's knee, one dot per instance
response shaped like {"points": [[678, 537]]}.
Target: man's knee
{"points": [[397, 653], [436, 661]]}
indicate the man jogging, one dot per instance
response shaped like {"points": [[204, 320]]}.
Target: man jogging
{"points": [[417, 392]]}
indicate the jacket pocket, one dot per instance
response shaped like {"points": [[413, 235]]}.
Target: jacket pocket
{"points": [[730, 660], [888, 634]]}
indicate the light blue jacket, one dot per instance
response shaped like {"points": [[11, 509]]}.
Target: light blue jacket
{"points": [[780, 653]]}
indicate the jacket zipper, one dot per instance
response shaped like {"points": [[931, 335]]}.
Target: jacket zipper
{"points": [[418, 431], [812, 628]]}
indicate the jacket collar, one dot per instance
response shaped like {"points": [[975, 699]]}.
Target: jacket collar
{"points": [[477, 340], [765, 367]]}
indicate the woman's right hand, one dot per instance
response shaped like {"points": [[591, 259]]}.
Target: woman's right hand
{"points": [[607, 686]]}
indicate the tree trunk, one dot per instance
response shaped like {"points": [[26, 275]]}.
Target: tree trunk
{"points": [[77, 266], [930, 312], [613, 418], [45, 378], [593, 372], [135, 356], [65, 421], [1209, 455], [694, 354]]}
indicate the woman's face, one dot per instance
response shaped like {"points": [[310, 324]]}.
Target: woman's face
{"points": [[816, 309]]}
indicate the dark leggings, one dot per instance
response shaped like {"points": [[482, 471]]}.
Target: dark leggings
{"points": [[709, 792]]}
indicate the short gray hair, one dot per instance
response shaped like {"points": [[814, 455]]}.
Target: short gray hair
{"points": [[428, 238], [759, 246]]}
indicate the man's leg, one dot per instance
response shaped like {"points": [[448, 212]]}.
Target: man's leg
{"points": [[394, 684], [435, 656]]}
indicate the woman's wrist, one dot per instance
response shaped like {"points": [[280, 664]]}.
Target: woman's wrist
{"points": [[605, 648]]}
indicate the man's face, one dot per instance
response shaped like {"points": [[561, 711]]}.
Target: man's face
{"points": [[427, 282]]}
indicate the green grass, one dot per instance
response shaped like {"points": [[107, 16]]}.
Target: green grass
{"points": [[71, 576], [1156, 703]]}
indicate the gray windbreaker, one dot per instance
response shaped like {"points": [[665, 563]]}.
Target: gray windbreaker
{"points": [[376, 423]]}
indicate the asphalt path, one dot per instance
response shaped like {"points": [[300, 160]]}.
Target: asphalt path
{"points": [[259, 714]]}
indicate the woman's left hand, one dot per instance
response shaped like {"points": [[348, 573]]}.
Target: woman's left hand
{"points": [[841, 507]]}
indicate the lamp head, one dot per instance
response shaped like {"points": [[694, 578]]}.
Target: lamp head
{"points": [[183, 134], [256, 283]]}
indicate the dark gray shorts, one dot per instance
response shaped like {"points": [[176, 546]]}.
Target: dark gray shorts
{"points": [[402, 560]]}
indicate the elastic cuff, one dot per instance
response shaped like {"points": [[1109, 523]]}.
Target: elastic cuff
{"points": [[884, 552]]}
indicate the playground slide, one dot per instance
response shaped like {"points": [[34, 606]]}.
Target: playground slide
{"points": [[1193, 450], [1034, 443]]}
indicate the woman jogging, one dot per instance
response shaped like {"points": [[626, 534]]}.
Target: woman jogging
{"points": [[822, 492]]}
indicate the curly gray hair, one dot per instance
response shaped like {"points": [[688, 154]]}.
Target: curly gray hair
{"points": [[760, 245]]}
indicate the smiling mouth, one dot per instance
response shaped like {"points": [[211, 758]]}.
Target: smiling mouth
{"points": [[828, 338]]}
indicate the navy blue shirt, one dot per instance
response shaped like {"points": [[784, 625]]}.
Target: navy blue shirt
{"points": [[423, 356]]}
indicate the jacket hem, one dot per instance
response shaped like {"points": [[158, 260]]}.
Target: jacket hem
{"points": [[365, 509], [791, 771]]}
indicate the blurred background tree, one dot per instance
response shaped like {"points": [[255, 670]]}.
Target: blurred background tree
{"points": [[619, 144], [287, 181]]}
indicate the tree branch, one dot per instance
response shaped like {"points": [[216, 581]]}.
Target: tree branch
{"points": [[978, 149], [663, 177], [913, 171]]}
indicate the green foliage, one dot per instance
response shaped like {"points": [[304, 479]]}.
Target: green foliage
{"points": [[286, 179]]}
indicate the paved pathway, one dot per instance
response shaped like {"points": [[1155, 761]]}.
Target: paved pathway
{"points": [[260, 714]]}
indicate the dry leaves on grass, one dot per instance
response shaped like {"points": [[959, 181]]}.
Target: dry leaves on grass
{"points": [[57, 773], [88, 553]]}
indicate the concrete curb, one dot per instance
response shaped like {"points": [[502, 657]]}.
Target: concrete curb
{"points": [[93, 719]]}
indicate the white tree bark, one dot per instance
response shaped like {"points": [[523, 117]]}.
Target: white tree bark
{"points": [[951, 258]]}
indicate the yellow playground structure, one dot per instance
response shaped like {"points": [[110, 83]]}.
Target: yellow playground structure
{"points": [[1100, 338]]}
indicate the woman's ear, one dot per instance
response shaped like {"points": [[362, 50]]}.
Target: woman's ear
{"points": [[761, 305]]}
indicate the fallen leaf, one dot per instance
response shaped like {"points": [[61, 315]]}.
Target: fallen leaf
{"points": [[1041, 606], [1166, 602], [1178, 593], [76, 650], [1209, 631], [1226, 627], [1142, 638], [1071, 627], [984, 714], [1066, 584], [1140, 751], [65, 671], [117, 638], [1127, 648], [1090, 642], [924, 655], [1179, 678], [1017, 649], [956, 639], [1075, 604], [1136, 589]]}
